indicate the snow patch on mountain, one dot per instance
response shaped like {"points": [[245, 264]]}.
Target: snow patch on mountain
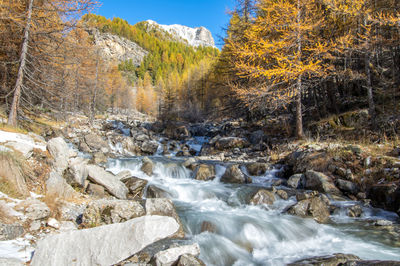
{"points": [[194, 36]]}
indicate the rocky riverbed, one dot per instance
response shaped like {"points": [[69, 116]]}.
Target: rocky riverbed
{"points": [[128, 192]]}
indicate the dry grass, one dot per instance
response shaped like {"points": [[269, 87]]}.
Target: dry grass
{"points": [[9, 189], [54, 204], [8, 128]]}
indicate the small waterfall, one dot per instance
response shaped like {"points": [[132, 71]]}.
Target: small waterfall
{"points": [[243, 234]]}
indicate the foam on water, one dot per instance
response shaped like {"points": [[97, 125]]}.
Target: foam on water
{"points": [[252, 235]]}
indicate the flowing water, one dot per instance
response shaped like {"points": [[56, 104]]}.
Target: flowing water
{"points": [[257, 235]]}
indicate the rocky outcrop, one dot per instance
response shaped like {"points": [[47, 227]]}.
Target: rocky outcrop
{"points": [[386, 196], [263, 197], [136, 187], [59, 150], [57, 187], [155, 192], [113, 185], [320, 182], [117, 48], [257, 169], [118, 242]]}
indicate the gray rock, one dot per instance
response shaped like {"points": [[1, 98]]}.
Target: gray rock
{"points": [[315, 208], [230, 143], [147, 166], [164, 207], [149, 147], [320, 182], [296, 181], [190, 163], [78, 170], [189, 260], [35, 209], [95, 142], [109, 181], [205, 172], [96, 191], [71, 212], [118, 242], [124, 175], [347, 186], [99, 158], [59, 150], [57, 187], [155, 192], [257, 137], [170, 256], [101, 212], [136, 187], [263, 197], [233, 175], [355, 211], [10, 231]]}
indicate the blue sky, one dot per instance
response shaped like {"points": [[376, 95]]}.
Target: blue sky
{"points": [[211, 14]]}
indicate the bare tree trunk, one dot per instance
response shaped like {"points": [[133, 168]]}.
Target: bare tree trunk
{"points": [[94, 94], [12, 118], [299, 113], [371, 103]]}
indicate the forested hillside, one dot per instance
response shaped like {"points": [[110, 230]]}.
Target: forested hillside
{"points": [[319, 57]]}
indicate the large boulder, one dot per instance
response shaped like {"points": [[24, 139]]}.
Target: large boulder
{"points": [[170, 256], [347, 186], [164, 207], [95, 142], [147, 166], [101, 212], [230, 143], [155, 192], [386, 196], [263, 196], [205, 172], [315, 207], [113, 185], [296, 181], [57, 187], [233, 175], [104, 245], [320, 182], [59, 150], [34, 209]]}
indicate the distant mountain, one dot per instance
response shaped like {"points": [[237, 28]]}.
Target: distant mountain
{"points": [[194, 36]]}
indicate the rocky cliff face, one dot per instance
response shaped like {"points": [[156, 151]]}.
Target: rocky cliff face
{"points": [[193, 36], [113, 47]]}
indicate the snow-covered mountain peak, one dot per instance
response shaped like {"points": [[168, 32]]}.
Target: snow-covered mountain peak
{"points": [[194, 36]]}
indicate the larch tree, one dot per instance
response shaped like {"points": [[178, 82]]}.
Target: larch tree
{"points": [[282, 49]]}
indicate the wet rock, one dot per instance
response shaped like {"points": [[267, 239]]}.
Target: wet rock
{"points": [[233, 174], [114, 186], [170, 256], [77, 169], [282, 194], [320, 182], [59, 150], [207, 226], [155, 192], [10, 231], [383, 223], [190, 163], [386, 196], [149, 147], [120, 240], [147, 166], [347, 186], [189, 260], [315, 208], [96, 191], [257, 137], [257, 169], [331, 260], [129, 145], [95, 142], [355, 211], [136, 187], [101, 212], [124, 175], [263, 197], [296, 181], [164, 207], [57, 187], [230, 143], [205, 172]]}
